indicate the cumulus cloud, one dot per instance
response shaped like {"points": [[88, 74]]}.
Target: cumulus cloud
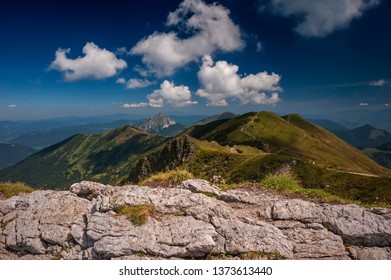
{"points": [[320, 18], [138, 83], [134, 105], [378, 83], [12, 106], [209, 28], [363, 104], [96, 64], [220, 81], [176, 96]]}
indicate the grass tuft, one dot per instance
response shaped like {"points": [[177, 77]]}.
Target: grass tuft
{"points": [[280, 182], [174, 176], [8, 189], [137, 214]]}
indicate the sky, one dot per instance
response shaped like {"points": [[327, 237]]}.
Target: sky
{"points": [[313, 57]]}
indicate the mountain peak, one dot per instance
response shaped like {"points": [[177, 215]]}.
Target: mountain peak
{"points": [[156, 123]]}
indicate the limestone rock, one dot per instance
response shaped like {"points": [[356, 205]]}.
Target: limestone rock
{"points": [[370, 253], [356, 225], [187, 222], [199, 186]]}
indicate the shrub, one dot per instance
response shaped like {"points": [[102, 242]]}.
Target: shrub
{"points": [[8, 190], [137, 214]]}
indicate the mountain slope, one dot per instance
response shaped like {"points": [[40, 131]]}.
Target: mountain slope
{"points": [[13, 153], [105, 157], [293, 136]]}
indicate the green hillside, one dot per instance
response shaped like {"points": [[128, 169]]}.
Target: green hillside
{"points": [[293, 136], [105, 157]]}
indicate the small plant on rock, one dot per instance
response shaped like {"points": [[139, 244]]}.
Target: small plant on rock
{"points": [[137, 214]]}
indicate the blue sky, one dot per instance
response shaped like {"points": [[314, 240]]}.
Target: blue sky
{"points": [[194, 57]]}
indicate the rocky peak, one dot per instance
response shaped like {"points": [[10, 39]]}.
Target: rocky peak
{"points": [[187, 221], [156, 123]]}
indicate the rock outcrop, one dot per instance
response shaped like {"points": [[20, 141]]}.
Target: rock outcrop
{"points": [[192, 220]]}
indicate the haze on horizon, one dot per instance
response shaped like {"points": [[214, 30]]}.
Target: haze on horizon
{"points": [[195, 57]]}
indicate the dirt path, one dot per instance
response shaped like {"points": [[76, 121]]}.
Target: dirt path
{"points": [[244, 128]]}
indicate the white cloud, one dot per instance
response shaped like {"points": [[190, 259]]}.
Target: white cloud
{"points": [[138, 83], [378, 83], [121, 81], [363, 104], [320, 18], [12, 106], [209, 28], [134, 105], [176, 96], [96, 64], [220, 81]]}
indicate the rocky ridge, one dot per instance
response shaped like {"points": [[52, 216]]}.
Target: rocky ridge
{"points": [[156, 123], [192, 220]]}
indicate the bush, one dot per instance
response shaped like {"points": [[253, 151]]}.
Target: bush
{"points": [[137, 214], [8, 189]]}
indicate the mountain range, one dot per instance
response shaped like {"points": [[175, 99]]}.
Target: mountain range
{"points": [[243, 148]]}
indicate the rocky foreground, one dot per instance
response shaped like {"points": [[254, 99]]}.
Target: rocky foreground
{"points": [[192, 220]]}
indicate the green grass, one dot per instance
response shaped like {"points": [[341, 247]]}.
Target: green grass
{"points": [[137, 214], [280, 182], [288, 184], [8, 190], [173, 176]]}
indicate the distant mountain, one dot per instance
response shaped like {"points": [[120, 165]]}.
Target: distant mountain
{"points": [[11, 129], [161, 124], [221, 116], [46, 137], [106, 157], [13, 153], [328, 124], [369, 136], [365, 136]]}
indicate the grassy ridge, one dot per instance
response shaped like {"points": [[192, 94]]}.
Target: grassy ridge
{"points": [[295, 137]]}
